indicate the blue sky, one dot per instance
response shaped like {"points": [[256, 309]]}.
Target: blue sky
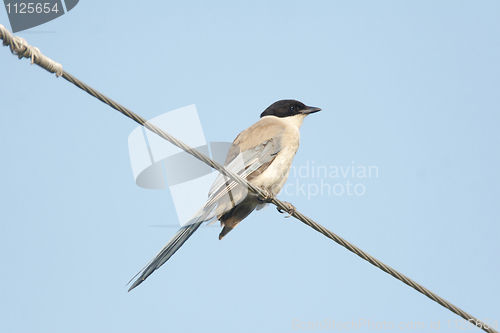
{"points": [[408, 87]]}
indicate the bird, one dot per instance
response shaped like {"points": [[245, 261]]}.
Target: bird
{"points": [[262, 154]]}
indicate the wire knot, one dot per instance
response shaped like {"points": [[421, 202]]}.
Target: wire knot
{"points": [[20, 47]]}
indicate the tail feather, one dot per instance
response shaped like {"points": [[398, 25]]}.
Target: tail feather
{"points": [[165, 253], [224, 232]]}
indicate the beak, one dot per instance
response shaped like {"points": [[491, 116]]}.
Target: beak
{"points": [[310, 109]]}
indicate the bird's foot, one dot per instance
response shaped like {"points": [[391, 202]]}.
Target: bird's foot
{"points": [[290, 209], [267, 197]]}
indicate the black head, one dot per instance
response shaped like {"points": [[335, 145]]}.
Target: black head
{"points": [[288, 108]]}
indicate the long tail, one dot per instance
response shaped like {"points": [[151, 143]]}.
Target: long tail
{"points": [[165, 253]]}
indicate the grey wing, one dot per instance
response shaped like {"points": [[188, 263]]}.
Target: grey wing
{"points": [[224, 194], [248, 164]]}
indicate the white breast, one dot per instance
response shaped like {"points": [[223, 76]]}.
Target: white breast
{"points": [[276, 174]]}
